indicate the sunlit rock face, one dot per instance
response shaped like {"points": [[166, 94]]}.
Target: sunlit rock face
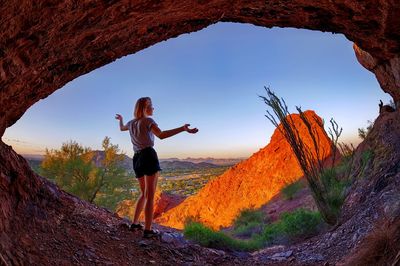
{"points": [[45, 44], [249, 184]]}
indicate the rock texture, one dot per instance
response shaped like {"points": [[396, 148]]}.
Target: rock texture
{"points": [[249, 184], [45, 44], [387, 72], [56, 228]]}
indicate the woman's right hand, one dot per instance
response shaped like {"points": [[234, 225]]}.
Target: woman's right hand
{"points": [[118, 117]]}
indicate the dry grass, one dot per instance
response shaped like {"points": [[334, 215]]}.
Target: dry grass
{"points": [[381, 247]]}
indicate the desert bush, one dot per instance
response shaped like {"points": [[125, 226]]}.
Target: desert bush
{"points": [[248, 230], [335, 188], [290, 190], [290, 227], [363, 132], [310, 157], [248, 216], [73, 168], [207, 237], [248, 222], [293, 225]]}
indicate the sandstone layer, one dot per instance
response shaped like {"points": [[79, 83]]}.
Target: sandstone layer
{"points": [[248, 184]]}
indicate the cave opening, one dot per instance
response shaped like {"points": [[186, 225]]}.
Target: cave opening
{"points": [[211, 73], [43, 46]]}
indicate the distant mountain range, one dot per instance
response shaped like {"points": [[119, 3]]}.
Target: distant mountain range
{"points": [[185, 165], [168, 163], [209, 160]]}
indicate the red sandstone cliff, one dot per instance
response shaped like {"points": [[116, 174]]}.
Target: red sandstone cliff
{"points": [[249, 184]]}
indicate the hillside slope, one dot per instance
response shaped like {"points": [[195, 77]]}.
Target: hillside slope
{"points": [[249, 184]]}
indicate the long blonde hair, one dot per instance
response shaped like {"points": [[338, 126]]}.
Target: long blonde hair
{"points": [[140, 106]]}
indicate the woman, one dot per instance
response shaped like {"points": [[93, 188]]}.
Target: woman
{"points": [[145, 161]]}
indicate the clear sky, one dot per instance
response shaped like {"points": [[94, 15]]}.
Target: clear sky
{"points": [[210, 79]]}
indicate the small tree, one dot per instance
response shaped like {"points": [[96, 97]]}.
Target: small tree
{"points": [[114, 184], [73, 168]]}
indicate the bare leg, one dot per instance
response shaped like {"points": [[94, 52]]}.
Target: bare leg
{"points": [[141, 200], [151, 184]]}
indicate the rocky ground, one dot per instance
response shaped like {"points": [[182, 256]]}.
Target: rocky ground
{"points": [[74, 232]]}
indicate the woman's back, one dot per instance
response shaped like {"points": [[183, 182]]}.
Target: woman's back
{"points": [[141, 134]]}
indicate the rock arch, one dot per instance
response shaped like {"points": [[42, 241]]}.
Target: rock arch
{"points": [[45, 44]]}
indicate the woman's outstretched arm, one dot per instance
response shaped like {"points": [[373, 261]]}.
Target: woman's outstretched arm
{"points": [[169, 133], [122, 127]]}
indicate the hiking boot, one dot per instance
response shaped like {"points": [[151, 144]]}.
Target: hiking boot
{"points": [[136, 227], [151, 234]]}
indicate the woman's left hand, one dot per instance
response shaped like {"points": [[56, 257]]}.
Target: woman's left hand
{"points": [[190, 130]]}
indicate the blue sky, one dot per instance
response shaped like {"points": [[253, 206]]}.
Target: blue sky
{"points": [[210, 79]]}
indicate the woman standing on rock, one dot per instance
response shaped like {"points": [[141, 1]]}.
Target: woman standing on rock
{"points": [[145, 161]]}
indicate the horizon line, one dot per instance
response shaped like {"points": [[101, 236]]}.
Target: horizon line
{"points": [[160, 158]]}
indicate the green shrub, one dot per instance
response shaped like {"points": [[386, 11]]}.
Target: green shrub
{"points": [[248, 216], [209, 238], [248, 230], [366, 158], [335, 190], [206, 236], [290, 190], [248, 222], [299, 223]]}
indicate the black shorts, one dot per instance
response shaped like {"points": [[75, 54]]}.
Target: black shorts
{"points": [[145, 162]]}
